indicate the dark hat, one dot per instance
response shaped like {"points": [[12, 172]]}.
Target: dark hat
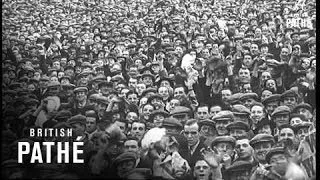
{"points": [[44, 78], [180, 110], [62, 125], [298, 126], [271, 98], [289, 93], [31, 101], [126, 156], [238, 125], [63, 115], [219, 139], [163, 113], [170, 80], [81, 89], [172, 122], [246, 96], [148, 74], [281, 110], [53, 84], [261, 138], [235, 98], [15, 85], [105, 83], [77, 119], [154, 96], [240, 166], [274, 151], [144, 173], [239, 109], [288, 29], [223, 115], [207, 122], [148, 90], [102, 99], [302, 105]]}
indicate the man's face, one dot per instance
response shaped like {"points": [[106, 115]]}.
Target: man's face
{"points": [[78, 129], [179, 92], [132, 83], [225, 94], [147, 110], [265, 94], [214, 110], [221, 127], [271, 106], [244, 75], [286, 133], [290, 101], [247, 61], [266, 129], [158, 120], [279, 163], [247, 88], [303, 132], [238, 133], [125, 167], [192, 134], [225, 148], [91, 124], [261, 149], [281, 119], [138, 130], [132, 116], [121, 125], [305, 112], [81, 96], [140, 88], [164, 92], [248, 102], [257, 114], [203, 113], [284, 54], [243, 148], [133, 98], [207, 131], [254, 49], [201, 170], [131, 145]]}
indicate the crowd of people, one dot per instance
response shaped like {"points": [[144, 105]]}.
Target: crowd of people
{"points": [[175, 89]]}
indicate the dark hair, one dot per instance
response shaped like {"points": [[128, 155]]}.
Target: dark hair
{"points": [[191, 122]]}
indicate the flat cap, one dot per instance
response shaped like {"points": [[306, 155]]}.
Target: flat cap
{"points": [[271, 98], [239, 109], [207, 122], [126, 156], [249, 96], [148, 74], [63, 115], [281, 110], [227, 139], [148, 90], [298, 126], [261, 138], [99, 78], [180, 109], [102, 99], [53, 84], [274, 151], [80, 89], [154, 96], [156, 112], [172, 122], [239, 166], [238, 125], [235, 98], [289, 93], [302, 105], [77, 119], [223, 115]]}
